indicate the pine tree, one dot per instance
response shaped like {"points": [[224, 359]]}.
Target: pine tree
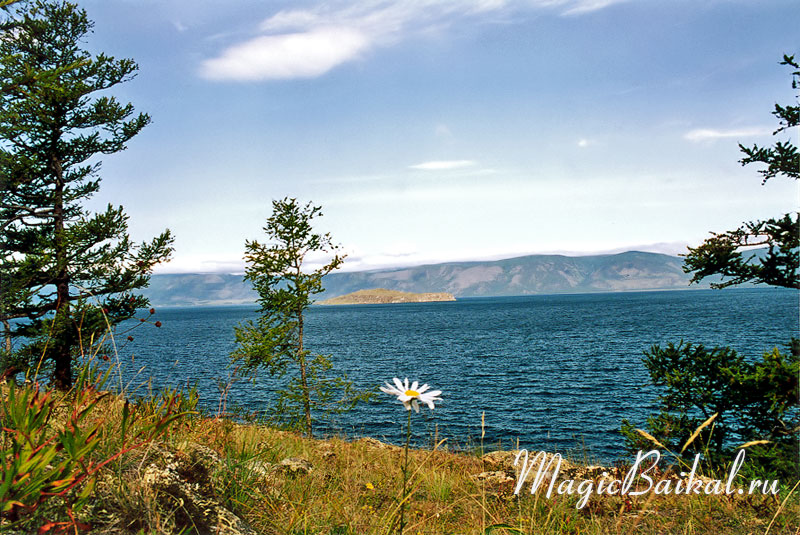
{"points": [[64, 272], [276, 341], [726, 254], [753, 400]]}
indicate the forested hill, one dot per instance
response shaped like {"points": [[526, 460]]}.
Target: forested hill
{"points": [[526, 275]]}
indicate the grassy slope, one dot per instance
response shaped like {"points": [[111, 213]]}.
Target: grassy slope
{"points": [[354, 488]]}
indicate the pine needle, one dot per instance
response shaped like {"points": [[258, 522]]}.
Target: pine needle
{"points": [[697, 431]]}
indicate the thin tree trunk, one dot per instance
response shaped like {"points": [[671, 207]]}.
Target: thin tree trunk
{"points": [[7, 334], [303, 379], [62, 350], [301, 357]]}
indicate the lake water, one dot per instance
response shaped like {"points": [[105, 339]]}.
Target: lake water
{"points": [[556, 372]]}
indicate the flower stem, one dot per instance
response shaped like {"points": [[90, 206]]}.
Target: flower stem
{"points": [[405, 476]]}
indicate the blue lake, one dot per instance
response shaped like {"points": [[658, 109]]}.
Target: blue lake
{"points": [[555, 372]]}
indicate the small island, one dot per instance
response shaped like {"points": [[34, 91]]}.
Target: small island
{"points": [[379, 296]]}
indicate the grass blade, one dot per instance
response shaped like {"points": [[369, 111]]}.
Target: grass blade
{"points": [[698, 430]]}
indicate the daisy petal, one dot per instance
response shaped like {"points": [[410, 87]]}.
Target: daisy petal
{"points": [[420, 394]]}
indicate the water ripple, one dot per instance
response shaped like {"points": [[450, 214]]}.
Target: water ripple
{"points": [[550, 371]]}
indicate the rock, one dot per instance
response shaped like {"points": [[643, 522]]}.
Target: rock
{"points": [[377, 444], [192, 509], [325, 450], [185, 480], [493, 478], [504, 460], [589, 472], [296, 466], [260, 468], [204, 455]]}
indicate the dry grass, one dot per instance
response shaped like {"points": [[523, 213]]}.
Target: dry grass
{"points": [[354, 488]]}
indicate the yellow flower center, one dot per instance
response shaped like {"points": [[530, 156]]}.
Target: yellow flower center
{"points": [[412, 393]]}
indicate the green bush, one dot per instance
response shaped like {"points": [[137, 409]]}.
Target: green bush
{"points": [[754, 401], [51, 447]]}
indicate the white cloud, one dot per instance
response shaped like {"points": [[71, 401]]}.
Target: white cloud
{"points": [[291, 21], [306, 43], [294, 55], [202, 263], [444, 165], [708, 134], [583, 143], [580, 7]]}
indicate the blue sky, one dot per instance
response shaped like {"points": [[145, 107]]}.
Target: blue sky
{"points": [[450, 129]]}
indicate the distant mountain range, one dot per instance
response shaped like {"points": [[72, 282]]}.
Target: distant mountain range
{"points": [[525, 275]]}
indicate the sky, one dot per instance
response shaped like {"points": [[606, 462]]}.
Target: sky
{"points": [[433, 131]]}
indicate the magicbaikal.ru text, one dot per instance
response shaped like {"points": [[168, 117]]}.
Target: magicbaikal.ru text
{"points": [[637, 480]]}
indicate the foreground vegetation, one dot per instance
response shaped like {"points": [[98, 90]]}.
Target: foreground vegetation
{"points": [[157, 466]]}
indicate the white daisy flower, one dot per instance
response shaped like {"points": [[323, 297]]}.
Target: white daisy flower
{"points": [[413, 394]]}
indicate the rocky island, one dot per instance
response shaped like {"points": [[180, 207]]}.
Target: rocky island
{"points": [[382, 296]]}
